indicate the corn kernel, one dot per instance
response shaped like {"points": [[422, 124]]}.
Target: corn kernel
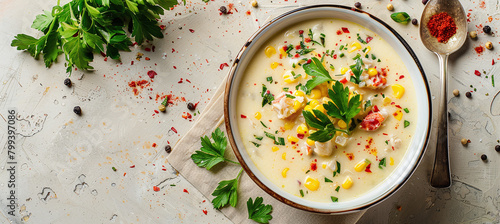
{"points": [[315, 94], [283, 173], [325, 100], [320, 108], [292, 139], [372, 72], [361, 165], [343, 70], [387, 101], [274, 65], [288, 77], [323, 165], [282, 52], [258, 115], [311, 183], [269, 51], [313, 103], [398, 115], [308, 108], [310, 142], [302, 129], [392, 162], [355, 46], [368, 49], [283, 156], [398, 90], [347, 183], [324, 89], [289, 125], [342, 124], [275, 148], [297, 105], [299, 93]]}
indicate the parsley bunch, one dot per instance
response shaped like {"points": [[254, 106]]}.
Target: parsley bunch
{"points": [[83, 27], [210, 153]]}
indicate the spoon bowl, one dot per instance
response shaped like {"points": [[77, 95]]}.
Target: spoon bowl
{"points": [[441, 176]]}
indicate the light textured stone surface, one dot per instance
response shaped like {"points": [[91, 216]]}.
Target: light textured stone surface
{"points": [[72, 157]]}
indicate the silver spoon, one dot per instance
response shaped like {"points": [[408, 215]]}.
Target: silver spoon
{"points": [[441, 177]]}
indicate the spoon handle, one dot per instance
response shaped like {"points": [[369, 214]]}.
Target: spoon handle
{"points": [[440, 177]]}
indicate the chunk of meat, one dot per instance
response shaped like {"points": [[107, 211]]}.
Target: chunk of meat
{"points": [[324, 148], [373, 120], [284, 105]]}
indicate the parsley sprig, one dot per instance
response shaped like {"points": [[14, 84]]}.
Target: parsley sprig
{"points": [[319, 73], [259, 212], [226, 192], [210, 153], [82, 27]]}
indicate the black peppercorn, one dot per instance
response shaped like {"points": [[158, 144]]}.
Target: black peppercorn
{"points": [[67, 82], [497, 148], [414, 21], [357, 5], [168, 149], [487, 29], [223, 9], [424, 1], [484, 157], [77, 110], [191, 106], [468, 94]]}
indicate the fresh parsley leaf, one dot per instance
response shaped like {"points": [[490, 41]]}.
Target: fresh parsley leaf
{"points": [[226, 192], [43, 21], [267, 97], [341, 107], [337, 189], [328, 180], [318, 71], [357, 70], [406, 123], [319, 120], [258, 137], [259, 212], [210, 153], [381, 163], [270, 79], [400, 17]]}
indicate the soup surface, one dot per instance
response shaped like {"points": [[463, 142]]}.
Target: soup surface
{"points": [[326, 110]]}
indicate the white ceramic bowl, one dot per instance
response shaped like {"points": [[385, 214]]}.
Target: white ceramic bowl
{"points": [[416, 148]]}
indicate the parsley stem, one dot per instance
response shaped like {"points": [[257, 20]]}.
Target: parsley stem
{"points": [[239, 174], [228, 160]]}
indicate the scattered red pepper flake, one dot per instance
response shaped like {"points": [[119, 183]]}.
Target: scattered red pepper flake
{"points": [[154, 145], [345, 30], [492, 61], [339, 32], [185, 191], [147, 49], [301, 32], [476, 72], [205, 211], [350, 156], [152, 74], [368, 39], [314, 167], [307, 39], [174, 130], [479, 49], [133, 166], [191, 30], [442, 26], [243, 116], [155, 188], [223, 65], [368, 168]]}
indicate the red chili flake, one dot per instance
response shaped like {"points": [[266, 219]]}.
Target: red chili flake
{"points": [[314, 167], [442, 26], [164, 169], [296, 56], [124, 174], [301, 32], [205, 211], [307, 40], [131, 84], [399, 107], [132, 63], [147, 59], [180, 81], [368, 39], [103, 54], [147, 49], [350, 156], [155, 188], [492, 61], [479, 49], [154, 145], [173, 50], [343, 81], [133, 166], [368, 168], [345, 30], [309, 61], [243, 116], [156, 111], [185, 191], [334, 56], [375, 108], [297, 47], [174, 130], [285, 48], [476, 72], [152, 74], [339, 32], [175, 67], [301, 136], [249, 13], [401, 77], [162, 27], [223, 65]]}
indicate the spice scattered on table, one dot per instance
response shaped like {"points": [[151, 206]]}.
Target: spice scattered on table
{"points": [[497, 148], [390, 7], [487, 29], [464, 141], [442, 26], [414, 21], [473, 34], [468, 94], [223, 9], [456, 92], [163, 105], [67, 82], [77, 110], [254, 4], [488, 45], [113, 168], [155, 188], [168, 149], [357, 5], [484, 157], [191, 106]]}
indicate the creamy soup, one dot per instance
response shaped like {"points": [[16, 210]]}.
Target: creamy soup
{"points": [[326, 110]]}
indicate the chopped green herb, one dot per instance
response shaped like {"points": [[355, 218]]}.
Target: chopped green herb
{"points": [[361, 40], [376, 95], [308, 171], [310, 34], [400, 17], [281, 141], [270, 79], [256, 144], [364, 49], [322, 39], [356, 57], [407, 123], [357, 70], [303, 51], [381, 163], [295, 76], [288, 50], [373, 57], [383, 95], [263, 124], [113, 168], [258, 137], [379, 60], [269, 135], [328, 180], [267, 97], [327, 51], [366, 56], [407, 110], [290, 96], [172, 185], [493, 80], [334, 199], [341, 47], [301, 193], [286, 89], [368, 104], [337, 189], [341, 55], [332, 67], [386, 142]]}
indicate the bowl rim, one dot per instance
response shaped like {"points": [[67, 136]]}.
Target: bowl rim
{"points": [[229, 129]]}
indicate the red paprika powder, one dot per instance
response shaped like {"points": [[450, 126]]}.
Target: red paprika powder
{"points": [[442, 26]]}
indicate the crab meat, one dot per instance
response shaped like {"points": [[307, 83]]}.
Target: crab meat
{"points": [[284, 105], [307, 149], [373, 120], [341, 140], [324, 148], [332, 165], [395, 143]]}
